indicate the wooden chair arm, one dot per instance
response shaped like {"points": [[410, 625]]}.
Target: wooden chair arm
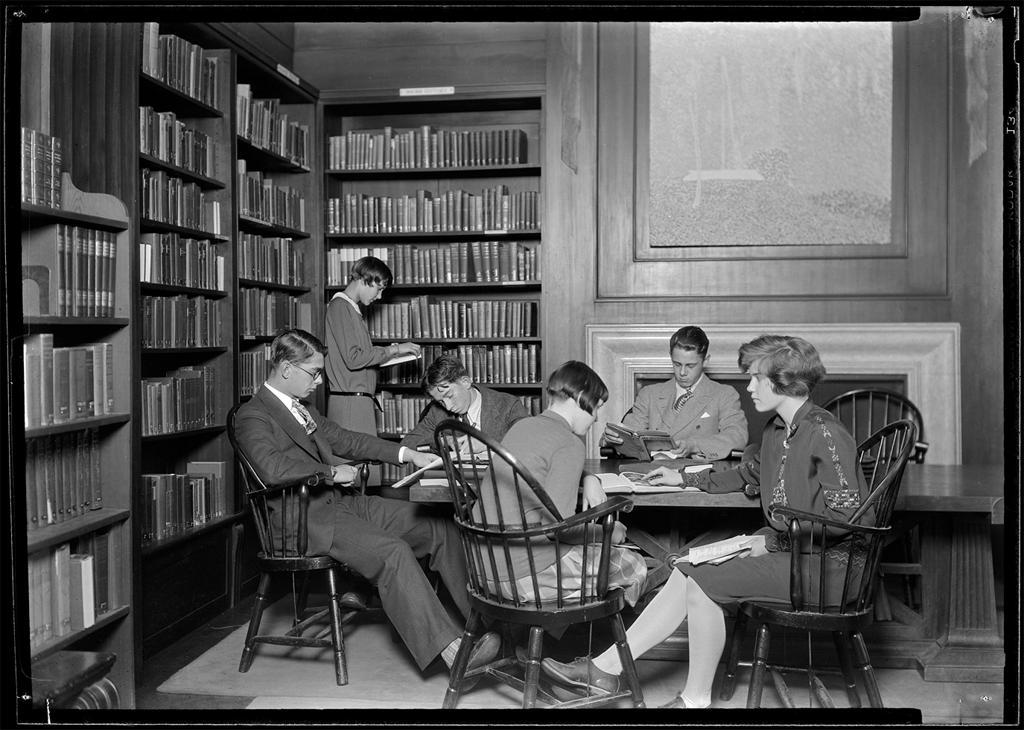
{"points": [[796, 514], [313, 480]]}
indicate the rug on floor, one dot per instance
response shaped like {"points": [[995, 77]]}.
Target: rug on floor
{"points": [[381, 671]]}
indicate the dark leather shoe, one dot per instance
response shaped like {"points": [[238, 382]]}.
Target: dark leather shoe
{"points": [[352, 601], [676, 703], [485, 650], [580, 673]]}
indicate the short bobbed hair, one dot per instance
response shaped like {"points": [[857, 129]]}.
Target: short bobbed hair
{"points": [[689, 338], [574, 379], [371, 270], [446, 368], [791, 364], [294, 345]]}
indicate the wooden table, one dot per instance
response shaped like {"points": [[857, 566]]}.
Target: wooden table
{"points": [[953, 636]]}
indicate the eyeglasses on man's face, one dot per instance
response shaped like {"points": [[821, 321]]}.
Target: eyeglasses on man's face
{"points": [[314, 374]]}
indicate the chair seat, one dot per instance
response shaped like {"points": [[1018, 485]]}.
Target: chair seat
{"points": [[550, 614], [782, 614], [297, 563]]}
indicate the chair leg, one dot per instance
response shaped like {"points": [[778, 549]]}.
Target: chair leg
{"points": [[248, 651], [531, 677], [301, 597], [733, 657], [626, 660], [860, 651], [337, 638], [760, 666], [473, 626], [843, 651]]}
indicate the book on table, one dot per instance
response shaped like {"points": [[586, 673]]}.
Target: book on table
{"points": [[632, 482], [718, 552], [639, 444]]}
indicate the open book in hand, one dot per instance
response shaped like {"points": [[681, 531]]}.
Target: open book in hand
{"points": [[410, 478], [632, 482], [718, 552], [641, 444], [398, 359]]}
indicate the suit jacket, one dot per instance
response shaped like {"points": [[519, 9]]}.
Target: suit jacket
{"points": [[712, 419], [498, 411], [281, 451]]}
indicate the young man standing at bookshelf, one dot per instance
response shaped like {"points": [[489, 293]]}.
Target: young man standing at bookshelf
{"points": [[454, 395], [704, 418], [381, 539]]}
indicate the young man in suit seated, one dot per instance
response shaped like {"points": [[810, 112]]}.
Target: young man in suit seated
{"points": [[447, 381], [704, 418], [381, 539]]}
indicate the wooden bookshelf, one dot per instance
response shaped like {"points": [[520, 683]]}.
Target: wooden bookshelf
{"points": [[77, 468], [408, 158], [186, 270]]}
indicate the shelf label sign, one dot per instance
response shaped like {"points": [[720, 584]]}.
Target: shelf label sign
{"points": [[426, 91], [288, 74]]}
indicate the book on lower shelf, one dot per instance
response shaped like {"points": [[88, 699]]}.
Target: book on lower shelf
{"points": [[718, 552]]}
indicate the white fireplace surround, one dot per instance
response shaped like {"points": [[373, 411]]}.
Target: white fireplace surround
{"points": [[927, 354]]}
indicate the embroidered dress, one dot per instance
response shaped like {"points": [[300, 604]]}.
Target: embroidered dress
{"points": [[812, 466]]}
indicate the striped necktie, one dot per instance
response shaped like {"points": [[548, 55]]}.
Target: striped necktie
{"points": [[681, 400], [307, 420]]}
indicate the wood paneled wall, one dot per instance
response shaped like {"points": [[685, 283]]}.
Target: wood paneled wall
{"points": [[973, 296]]}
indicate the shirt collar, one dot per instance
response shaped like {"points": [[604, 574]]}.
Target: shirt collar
{"points": [[347, 298], [475, 407], [287, 400], [693, 388]]}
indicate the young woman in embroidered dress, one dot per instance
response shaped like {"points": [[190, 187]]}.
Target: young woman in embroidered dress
{"points": [[807, 460]]}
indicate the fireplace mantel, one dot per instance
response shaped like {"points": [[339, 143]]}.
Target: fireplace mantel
{"points": [[927, 354]]}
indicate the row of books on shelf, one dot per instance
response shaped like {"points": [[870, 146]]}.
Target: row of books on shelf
{"points": [[168, 199], [165, 137], [259, 198], [41, 166], [182, 400], [72, 585], [429, 317], [68, 271], [518, 363], [167, 258], [271, 260], [426, 148], [63, 477], [174, 504], [264, 312], [180, 64], [65, 384], [253, 369], [181, 321], [444, 263], [493, 209], [399, 413], [262, 123]]}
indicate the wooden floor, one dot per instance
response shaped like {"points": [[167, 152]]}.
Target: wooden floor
{"points": [[980, 704]]}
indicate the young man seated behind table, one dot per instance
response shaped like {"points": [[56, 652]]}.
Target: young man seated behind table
{"points": [[704, 418], [448, 383]]}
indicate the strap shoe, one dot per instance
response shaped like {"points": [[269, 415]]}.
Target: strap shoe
{"points": [[580, 673]]}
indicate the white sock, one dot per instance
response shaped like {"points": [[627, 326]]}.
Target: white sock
{"points": [[655, 624], [449, 652]]}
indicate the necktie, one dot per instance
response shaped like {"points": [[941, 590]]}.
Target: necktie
{"points": [[307, 420], [681, 400]]}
